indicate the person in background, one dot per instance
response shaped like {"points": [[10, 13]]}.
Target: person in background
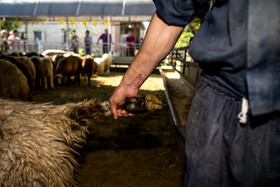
{"points": [[22, 36], [232, 133], [88, 43], [75, 44], [24, 42], [4, 44], [106, 44], [130, 44], [14, 41]]}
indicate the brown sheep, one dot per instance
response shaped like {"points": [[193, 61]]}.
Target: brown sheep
{"points": [[44, 71], [27, 67], [37, 63], [15, 53], [89, 67], [68, 66], [13, 83], [31, 71], [33, 53]]}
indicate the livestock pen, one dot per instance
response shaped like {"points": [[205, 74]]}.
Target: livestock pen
{"points": [[134, 151]]}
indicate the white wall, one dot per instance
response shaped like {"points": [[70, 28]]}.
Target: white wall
{"points": [[53, 31]]}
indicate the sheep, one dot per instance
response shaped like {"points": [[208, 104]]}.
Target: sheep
{"points": [[68, 66], [51, 52], [15, 53], [33, 53], [55, 60], [104, 63], [107, 58], [38, 140], [89, 67], [100, 65], [44, 71], [47, 72], [27, 67], [13, 83], [37, 63]]}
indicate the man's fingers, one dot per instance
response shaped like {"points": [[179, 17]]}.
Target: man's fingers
{"points": [[113, 108], [124, 113]]}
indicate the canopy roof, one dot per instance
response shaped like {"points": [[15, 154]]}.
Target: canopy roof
{"points": [[75, 8]]}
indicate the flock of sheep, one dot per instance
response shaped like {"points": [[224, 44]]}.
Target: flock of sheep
{"points": [[37, 141], [20, 73]]}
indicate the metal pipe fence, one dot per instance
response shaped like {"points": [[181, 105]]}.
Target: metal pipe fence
{"points": [[118, 49], [184, 65]]}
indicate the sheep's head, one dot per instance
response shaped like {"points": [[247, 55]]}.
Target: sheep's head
{"points": [[144, 103], [59, 77], [89, 110]]}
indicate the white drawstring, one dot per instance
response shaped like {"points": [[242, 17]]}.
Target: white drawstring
{"points": [[242, 116]]}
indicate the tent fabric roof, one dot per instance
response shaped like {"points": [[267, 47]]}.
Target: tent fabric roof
{"points": [[40, 8]]}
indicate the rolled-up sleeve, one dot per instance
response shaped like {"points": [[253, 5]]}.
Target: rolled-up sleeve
{"points": [[175, 12]]}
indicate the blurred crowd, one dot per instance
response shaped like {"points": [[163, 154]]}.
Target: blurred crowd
{"points": [[11, 42]]}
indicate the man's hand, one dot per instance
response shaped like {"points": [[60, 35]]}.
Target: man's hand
{"points": [[118, 96], [159, 40]]}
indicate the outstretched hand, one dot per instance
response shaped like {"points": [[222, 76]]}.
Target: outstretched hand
{"points": [[118, 96]]}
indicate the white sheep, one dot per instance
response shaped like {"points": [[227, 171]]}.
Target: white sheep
{"points": [[51, 52], [104, 63], [100, 65], [38, 141], [107, 58]]}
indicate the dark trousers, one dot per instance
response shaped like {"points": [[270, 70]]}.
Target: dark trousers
{"points": [[88, 50], [220, 151], [130, 50], [106, 48]]}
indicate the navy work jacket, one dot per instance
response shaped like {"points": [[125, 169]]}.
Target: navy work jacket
{"points": [[238, 42]]}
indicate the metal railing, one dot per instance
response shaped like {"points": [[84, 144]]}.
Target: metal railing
{"points": [[118, 49], [184, 65]]}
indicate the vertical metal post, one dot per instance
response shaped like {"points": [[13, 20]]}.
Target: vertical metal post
{"points": [[185, 56], [67, 34], [108, 36]]}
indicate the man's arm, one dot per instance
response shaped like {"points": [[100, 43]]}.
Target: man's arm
{"points": [[158, 42], [99, 39]]}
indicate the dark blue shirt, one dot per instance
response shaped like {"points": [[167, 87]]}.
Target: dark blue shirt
{"points": [[238, 43]]}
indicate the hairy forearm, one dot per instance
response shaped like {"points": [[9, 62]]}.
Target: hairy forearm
{"points": [[159, 41]]}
